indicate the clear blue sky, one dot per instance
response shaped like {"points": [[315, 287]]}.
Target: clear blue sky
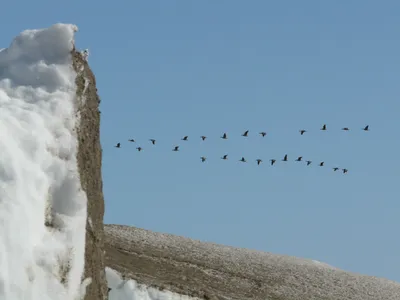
{"points": [[171, 68]]}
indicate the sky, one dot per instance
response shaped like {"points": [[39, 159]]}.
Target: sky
{"points": [[166, 69]]}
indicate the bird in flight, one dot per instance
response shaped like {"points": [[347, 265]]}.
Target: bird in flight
{"points": [[203, 159], [299, 158], [263, 133], [203, 137], [118, 145], [185, 138], [272, 161], [309, 162], [345, 128], [366, 128], [285, 158], [321, 164], [153, 141], [323, 127], [225, 156], [139, 149], [302, 131], [344, 171], [131, 140], [245, 133], [259, 161], [176, 148], [335, 169], [242, 159], [224, 136]]}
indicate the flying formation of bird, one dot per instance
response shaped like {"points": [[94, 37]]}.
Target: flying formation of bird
{"points": [[246, 134]]}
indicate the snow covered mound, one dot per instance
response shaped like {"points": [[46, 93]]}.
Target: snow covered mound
{"points": [[42, 205]]}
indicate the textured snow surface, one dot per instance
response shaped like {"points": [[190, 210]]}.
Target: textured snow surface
{"points": [[39, 180], [129, 289]]}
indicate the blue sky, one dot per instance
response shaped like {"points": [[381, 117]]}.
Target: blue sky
{"points": [[166, 69]]}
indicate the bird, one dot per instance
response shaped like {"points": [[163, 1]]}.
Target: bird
{"points": [[185, 138], [224, 136], [302, 131], [245, 133], [139, 149], [263, 133], [299, 158], [203, 159], [309, 162], [321, 164], [345, 128], [131, 140], [225, 156], [118, 145], [366, 128], [285, 158], [335, 169], [203, 137], [344, 171], [272, 161], [323, 127], [153, 141], [176, 148], [259, 161], [242, 159]]}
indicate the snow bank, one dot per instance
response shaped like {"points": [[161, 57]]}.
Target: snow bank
{"points": [[39, 179], [129, 289]]}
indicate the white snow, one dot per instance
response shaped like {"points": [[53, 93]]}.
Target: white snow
{"points": [[129, 289], [38, 169]]}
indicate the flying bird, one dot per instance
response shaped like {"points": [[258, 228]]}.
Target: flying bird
{"points": [[345, 128], [263, 133], [176, 148], [335, 169], [366, 128], [245, 133], [153, 141], [285, 158], [242, 159], [139, 149], [309, 162], [259, 161], [302, 131], [224, 136], [185, 138], [203, 159], [272, 161], [299, 158], [131, 140], [118, 145], [321, 164], [344, 171], [225, 156], [323, 127], [203, 137]]}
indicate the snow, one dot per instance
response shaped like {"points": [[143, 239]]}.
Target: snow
{"points": [[129, 289], [39, 179]]}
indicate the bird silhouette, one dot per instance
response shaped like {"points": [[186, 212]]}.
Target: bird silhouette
{"points": [[299, 158], [245, 133], [176, 148], [242, 159], [153, 141], [224, 136], [272, 161], [323, 127], [344, 171], [345, 128], [225, 156], [321, 164], [185, 138], [203, 159], [302, 131], [259, 161], [131, 140], [263, 133], [335, 169], [366, 128], [118, 145], [309, 162], [285, 158], [203, 137], [139, 149]]}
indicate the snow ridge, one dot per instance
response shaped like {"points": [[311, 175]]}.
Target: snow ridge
{"points": [[42, 205]]}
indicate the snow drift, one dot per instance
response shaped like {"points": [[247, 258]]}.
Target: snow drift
{"points": [[42, 205]]}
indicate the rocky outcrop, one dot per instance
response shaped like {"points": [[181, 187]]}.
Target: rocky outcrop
{"points": [[212, 271], [89, 163]]}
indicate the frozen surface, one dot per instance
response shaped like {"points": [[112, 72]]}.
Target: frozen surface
{"points": [[39, 179]]}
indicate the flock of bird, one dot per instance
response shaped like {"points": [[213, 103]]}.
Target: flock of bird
{"points": [[246, 134]]}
